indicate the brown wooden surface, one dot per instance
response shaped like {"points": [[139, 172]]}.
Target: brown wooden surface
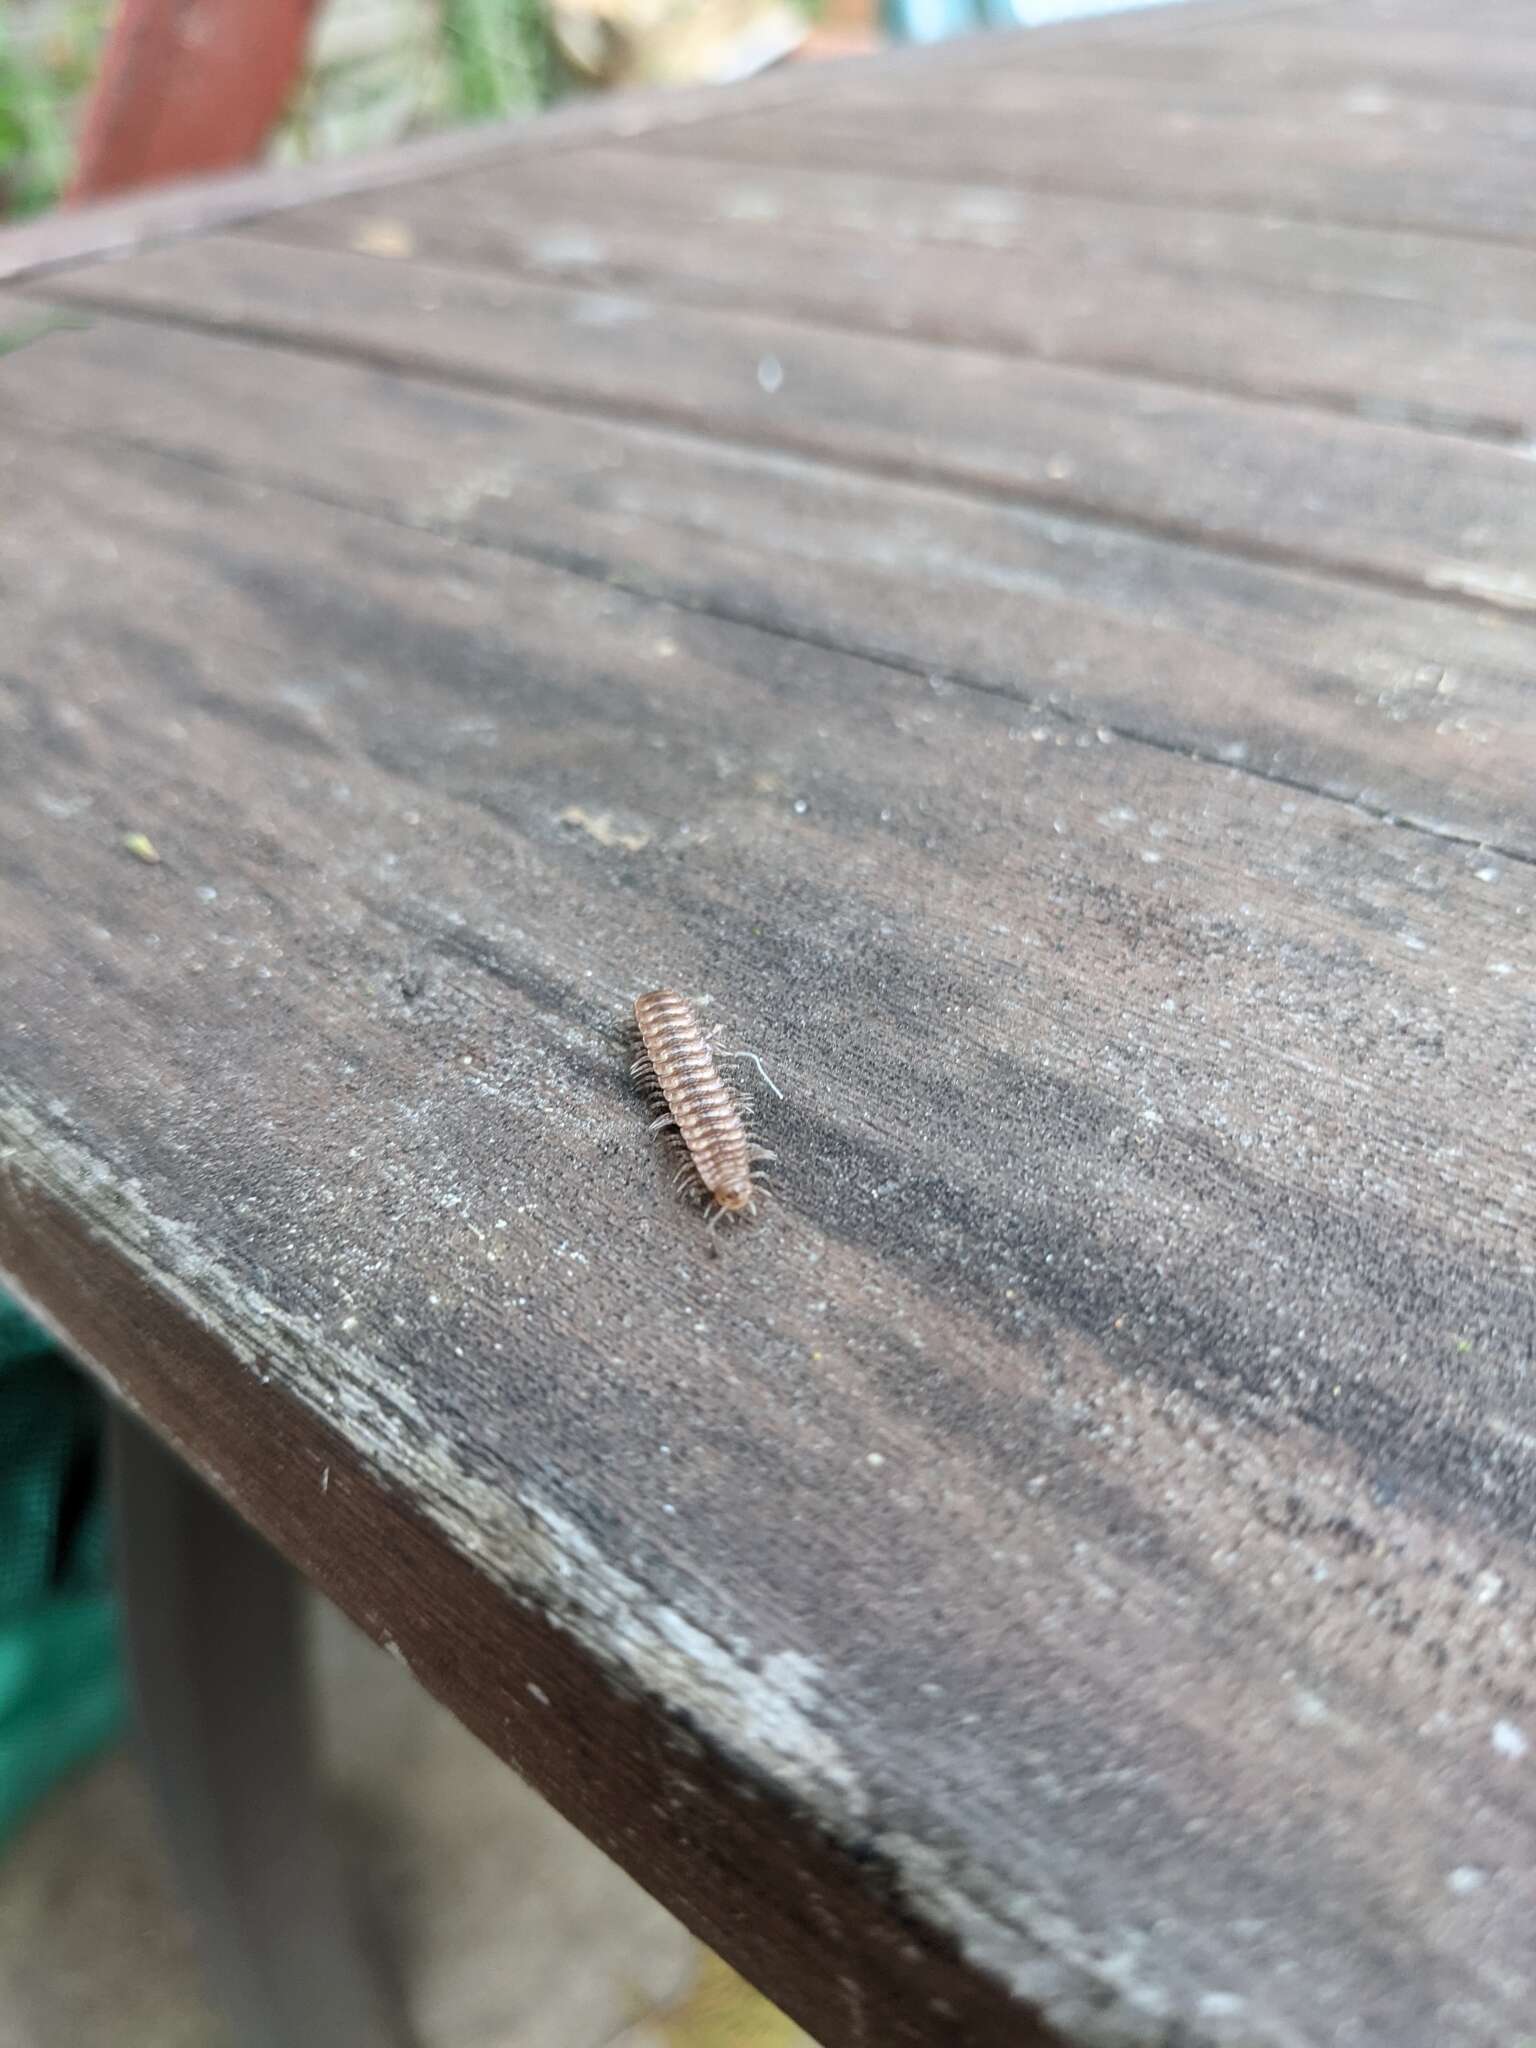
{"points": [[1068, 1574], [1374, 159], [1294, 311]]}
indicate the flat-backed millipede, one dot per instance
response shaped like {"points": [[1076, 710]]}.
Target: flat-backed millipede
{"points": [[677, 1068]]}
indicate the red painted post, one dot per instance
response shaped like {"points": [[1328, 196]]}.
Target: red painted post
{"points": [[187, 86]]}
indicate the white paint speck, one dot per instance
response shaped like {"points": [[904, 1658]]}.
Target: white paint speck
{"points": [[607, 310], [568, 249], [1501, 967], [537, 1692], [1414, 943], [1221, 2005], [875, 1459], [1486, 874], [1510, 1741], [747, 202], [770, 374], [1466, 1877]]}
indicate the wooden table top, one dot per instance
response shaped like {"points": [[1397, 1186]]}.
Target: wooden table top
{"points": [[1011, 572]]}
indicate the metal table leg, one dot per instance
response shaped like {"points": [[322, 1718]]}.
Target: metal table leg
{"points": [[214, 1639]]}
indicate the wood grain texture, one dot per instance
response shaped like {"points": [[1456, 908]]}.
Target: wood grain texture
{"points": [[1068, 1576], [1119, 1437], [1433, 60], [607, 192], [1413, 708], [1434, 331], [1419, 510], [1454, 166]]}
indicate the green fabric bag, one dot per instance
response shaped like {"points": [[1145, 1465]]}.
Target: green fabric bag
{"points": [[61, 1689]]}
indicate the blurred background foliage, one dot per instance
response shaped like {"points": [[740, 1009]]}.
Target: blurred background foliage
{"points": [[48, 51], [378, 70]]}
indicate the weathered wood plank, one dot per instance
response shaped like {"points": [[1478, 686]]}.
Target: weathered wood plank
{"points": [[1075, 297], [1123, 1420], [1408, 706], [1077, 1559], [1349, 121], [1451, 167], [1444, 59], [607, 194], [1428, 511]]}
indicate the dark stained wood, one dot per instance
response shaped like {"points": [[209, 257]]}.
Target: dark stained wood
{"points": [[519, 1672], [1152, 1138], [1428, 512], [1410, 707], [1068, 1576], [1081, 281]]}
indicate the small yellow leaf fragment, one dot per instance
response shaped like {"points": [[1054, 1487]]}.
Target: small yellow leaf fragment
{"points": [[141, 848], [604, 828], [722, 2012], [384, 238]]}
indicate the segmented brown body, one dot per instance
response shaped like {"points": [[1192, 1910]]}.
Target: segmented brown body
{"points": [[676, 1062]]}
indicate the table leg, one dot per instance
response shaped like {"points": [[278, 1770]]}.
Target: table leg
{"points": [[214, 1640]]}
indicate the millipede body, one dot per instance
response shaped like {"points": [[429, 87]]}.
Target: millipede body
{"points": [[676, 1065]]}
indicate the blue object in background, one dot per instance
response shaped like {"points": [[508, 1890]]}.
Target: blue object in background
{"points": [[930, 21]]}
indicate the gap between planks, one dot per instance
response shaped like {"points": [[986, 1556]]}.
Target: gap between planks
{"points": [[1343, 570], [670, 288], [1130, 194], [572, 562]]}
